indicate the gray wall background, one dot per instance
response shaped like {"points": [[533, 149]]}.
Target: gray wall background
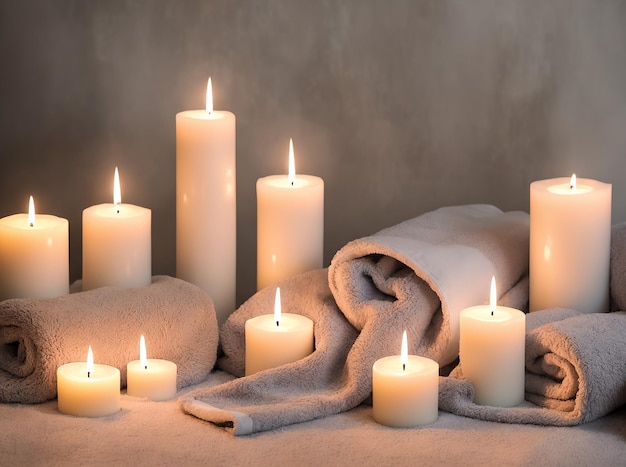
{"points": [[401, 106]]}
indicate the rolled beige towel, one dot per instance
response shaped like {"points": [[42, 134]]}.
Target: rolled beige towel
{"points": [[38, 335]]}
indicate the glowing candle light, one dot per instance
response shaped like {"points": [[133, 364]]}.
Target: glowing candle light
{"points": [[206, 222], [34, 255], [86, 389], [290, 224], [152, 378], [117, 243], [405, 389], [276, 339], [570, 241], [491, 350]]}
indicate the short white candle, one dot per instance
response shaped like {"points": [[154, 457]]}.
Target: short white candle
{"points": [[206, 203], [405, 389], [491, 351], [86, 389], [34, 255], [117, 244], [277, 339], [570, 241], [290, 225], [152, 378]]}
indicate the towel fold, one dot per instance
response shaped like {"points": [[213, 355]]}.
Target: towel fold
{"points": [[38, 335], [415, 276], [430, 268], [575, 372]]}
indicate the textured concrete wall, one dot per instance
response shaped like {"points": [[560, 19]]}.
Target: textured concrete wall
{"points": [[401, 106]]}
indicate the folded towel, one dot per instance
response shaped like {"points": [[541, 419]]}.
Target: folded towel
{"points": [[617, 283], [338, 375], [431, 267], [38, 335], [575, 372]]}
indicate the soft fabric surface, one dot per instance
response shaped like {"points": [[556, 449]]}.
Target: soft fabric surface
{"points": [[429, 268], [38, 335], [575, 371], [160, 434], [338, 375]]}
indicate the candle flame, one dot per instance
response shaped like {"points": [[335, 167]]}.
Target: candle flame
{"points": [[209, 97], [292, 164], [89, 362], [31, 212], [572, 182], [404, 351], [493, 298], [117, 192], [143, 357], [277, 311]]}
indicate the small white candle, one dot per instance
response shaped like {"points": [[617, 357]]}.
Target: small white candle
{"points": [[117, 243], [152, 378], [491, 350], [570, 241], [206, 207], [34, 255], [405, 389], [277, 339], [86, 389], [290, 225]]}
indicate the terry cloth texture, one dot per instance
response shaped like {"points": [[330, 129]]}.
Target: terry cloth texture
{"points": [[38, 335], [575, 372], [415, 276]]}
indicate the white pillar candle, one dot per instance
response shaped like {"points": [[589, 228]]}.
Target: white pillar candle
{"points": [[117, 244], [277, 339], [86, 389], [290, 225], [206, 209], [34, 255], [405, 389], [570, 241], [491, 351], [152, 378]]}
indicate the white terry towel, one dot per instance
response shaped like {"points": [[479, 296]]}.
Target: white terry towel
{"points": [[338, 375], [575, 372], [448, 255], [38, 335]]}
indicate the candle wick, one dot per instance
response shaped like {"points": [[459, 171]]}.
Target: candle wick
{"points": [[491, 312], [277, 323], [292, 183], [145, 367], [89, 374], [31, 224], [404, 367]]}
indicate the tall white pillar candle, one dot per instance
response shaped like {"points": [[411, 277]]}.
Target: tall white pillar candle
{"points": [[117, 244], [405, 390], [492, 350], [34, 255], [290, 225], [570, 241], [206, 215], [86, 389], [152, 378], [276, 339]]}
